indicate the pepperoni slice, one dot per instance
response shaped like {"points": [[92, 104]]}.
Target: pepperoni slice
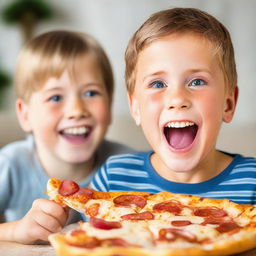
{"points": [[83, 195], [171, 234], [128, 200], [103, 224], [68, 188], [138, 216], [227, 226], [85, 191], [211, 220], [181, 223], [210, 212], [168, 206]]}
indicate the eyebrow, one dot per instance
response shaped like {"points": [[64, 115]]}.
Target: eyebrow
{"points": [[197, 70], [189, 71], [154, 74], [55, 88]]}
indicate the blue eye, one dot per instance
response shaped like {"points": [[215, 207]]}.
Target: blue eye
{"points": [[158, 84], [56, 98], [90, 94], [197, 82]]}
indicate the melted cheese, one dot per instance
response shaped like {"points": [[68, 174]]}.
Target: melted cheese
{"points": [[108, 211], [128, 230], [203, 232]]}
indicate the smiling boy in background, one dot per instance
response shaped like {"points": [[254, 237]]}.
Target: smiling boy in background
{"points": [[64, 85], [182, 85]]}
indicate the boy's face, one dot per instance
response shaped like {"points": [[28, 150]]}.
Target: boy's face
{"points": [[69, 115], [180, 101]]}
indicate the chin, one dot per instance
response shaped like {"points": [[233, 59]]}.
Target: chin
{"points": [[180, 165], [76, 158]]}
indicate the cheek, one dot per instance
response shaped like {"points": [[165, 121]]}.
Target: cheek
{"points": [[211, 106], [150, 107], [43, 119], [101, 112]]}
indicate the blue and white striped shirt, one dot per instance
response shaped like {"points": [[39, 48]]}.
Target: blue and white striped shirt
{"points": [[135, 172]]}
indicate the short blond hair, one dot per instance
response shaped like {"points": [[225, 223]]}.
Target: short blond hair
{"points": [[49, 54], [182, 20]]}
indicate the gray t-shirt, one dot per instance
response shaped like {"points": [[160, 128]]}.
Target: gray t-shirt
{"points": [[22, 178]]}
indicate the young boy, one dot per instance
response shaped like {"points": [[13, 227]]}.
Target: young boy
{"points": [[64, 85], [182, 84]]}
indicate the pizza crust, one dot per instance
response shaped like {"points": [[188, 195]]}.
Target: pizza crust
{"points": [[63, 249], [226, 247]]}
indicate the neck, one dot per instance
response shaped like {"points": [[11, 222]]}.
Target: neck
{"points": [[62, 170], [210, 167]]}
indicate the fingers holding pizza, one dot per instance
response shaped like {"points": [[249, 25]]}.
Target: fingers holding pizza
{"points": [[44, 218]]}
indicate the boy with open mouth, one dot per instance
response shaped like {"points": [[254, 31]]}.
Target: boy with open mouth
{"points": [[182, 85]]}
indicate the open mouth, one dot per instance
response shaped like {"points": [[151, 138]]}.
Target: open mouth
{"points": [[76, 132], [180, 135]]}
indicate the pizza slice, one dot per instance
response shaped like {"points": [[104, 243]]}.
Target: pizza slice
{"points": [[105, 205], [140, 223]]}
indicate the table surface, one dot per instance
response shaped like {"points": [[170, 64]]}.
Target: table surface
{"points": [[15, 249]]}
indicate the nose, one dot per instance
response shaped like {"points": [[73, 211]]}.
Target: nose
{"points": [[177, 98], [76, 109]]}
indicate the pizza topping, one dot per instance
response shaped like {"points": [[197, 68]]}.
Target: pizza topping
{"points": [[168, 206], [83, 195], [85, 191], [138, 216], [210, 212], [79, 238], [90, 243], [128, 200], [103, 224], [181, 223], [68, 188], [227, 227], [171, 234], [211, 220], [77, 232], [92, 210], [115, 242]]}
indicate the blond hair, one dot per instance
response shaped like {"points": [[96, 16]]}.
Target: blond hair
{"points": [[49, 54], [182, 20]]}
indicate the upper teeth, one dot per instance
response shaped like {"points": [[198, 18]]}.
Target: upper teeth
{"points": [[179, 124], [80, 130]]}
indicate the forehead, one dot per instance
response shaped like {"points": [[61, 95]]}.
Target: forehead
{"points": [[81, 68], [85, 65], [185, 44], [177, 51]]}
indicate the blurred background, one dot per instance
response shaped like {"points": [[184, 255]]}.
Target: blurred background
{"points": [[113, 22]]}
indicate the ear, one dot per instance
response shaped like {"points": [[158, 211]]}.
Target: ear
{"points": [[230, 105], [134, 108], [22, 114]]}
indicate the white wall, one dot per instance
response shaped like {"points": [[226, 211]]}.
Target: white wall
{"points": [[113, 22]]}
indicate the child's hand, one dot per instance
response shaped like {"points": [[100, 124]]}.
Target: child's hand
{"points": [[44, 218]]}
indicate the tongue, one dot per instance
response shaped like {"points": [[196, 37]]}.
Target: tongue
{"points": [[180, 138]]}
